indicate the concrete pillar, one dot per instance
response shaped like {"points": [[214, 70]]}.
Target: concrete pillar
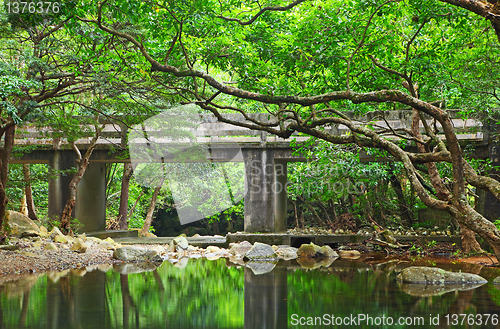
{"points": [[488, 204], [266, 299], [259, 194], [280, 196], [90, 207], [58, 185]]}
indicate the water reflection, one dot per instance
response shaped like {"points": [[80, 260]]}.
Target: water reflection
{"points": [[213, 294]]}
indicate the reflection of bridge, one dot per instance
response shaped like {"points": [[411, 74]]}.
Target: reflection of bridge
{"points": [[265, 159]]}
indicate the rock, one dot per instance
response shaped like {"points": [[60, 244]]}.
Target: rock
{"points": [[286, 252], [132, 268], [9, 247], [60, 239], [497, 280], [259, 267], [240, 248], [213, 249], [309, 251], [80, 247], [328, 252], [212, 256], [132, 253], [51, 246], [196, 235], [43, 231], [434, 275], [423, 290], [181, 243], [171, 246], [30, 233], [261, 251], [313, 251], [17, 223], [237, 260], [351, 254], [109, 240], [55, 232]]}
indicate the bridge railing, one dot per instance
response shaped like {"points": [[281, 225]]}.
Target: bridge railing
{"points": [[209, 130]]}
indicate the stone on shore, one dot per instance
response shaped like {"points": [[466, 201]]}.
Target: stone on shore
{"points": [[286, 252], [79, 247], [313, 251], [51, 246], [55, 232], [180, 243], [240, 249], [261, 251], [17, 223], [351, 254], [135, 254], [60, 239], [434, 275]]}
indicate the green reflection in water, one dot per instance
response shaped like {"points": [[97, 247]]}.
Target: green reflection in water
{"points": [[209, 294], [203, 294]]}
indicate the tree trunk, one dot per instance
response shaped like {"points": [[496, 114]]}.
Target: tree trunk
{"points": [[4, 170], [124, 194], [469, 243], [131, 212], [151, 209], [29, 193], [402, 204], [83, 163]]}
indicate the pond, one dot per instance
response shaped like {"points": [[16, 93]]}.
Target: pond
{"points": [[218, 294]]}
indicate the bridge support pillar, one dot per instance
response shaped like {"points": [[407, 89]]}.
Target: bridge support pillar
{"points": [[90, 207], [488, 204], [265, 202]]}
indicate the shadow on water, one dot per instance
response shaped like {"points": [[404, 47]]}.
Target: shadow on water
{"points": [[216, 294]]}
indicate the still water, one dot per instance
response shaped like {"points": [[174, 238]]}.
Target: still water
{"points": [[218, 294]]}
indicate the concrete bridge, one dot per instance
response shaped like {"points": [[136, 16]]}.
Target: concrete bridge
{"points": [[265, 157]]}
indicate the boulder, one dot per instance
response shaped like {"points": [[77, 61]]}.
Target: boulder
{"points": [[51, 246], [309, 251], [434, 275], [313, 251], [240, 248], [80, 247], [328, 252], [497, 280], [43, 231], [9, 247], [18, 223], [261, 251], [181, 243], [351, 254], [286, 252], [60, 239], [54, 232], [135, 254], [30, 234]]}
